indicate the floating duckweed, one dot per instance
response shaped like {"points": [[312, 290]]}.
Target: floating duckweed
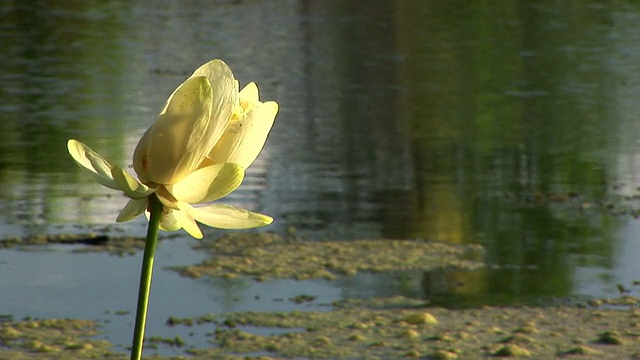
{"points": [[358, 326], [444, 338], [443, 355], [412, 354], [302, 298], [518, 338], [264, 256], [322, 341], [39, 346], [120, 246], [526, 329], [354, 329], [610, 338], [357, 337], [31, 324], [421, 319], [10, 333], [595, 302], [409, 334], [272, 347], [77, 346], [581, 350], [494, 329], [512, 350], [50, 339], [378, 344], [377, 328]]}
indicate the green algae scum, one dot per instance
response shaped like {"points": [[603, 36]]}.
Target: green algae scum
{"points": [[384, 328], [266, 256], [392, 328]]}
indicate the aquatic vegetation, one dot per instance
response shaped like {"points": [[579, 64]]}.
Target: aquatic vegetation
{"points": [[196, 152], [265, 256]]}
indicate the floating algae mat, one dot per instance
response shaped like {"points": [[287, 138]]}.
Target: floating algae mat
{"points": [[50, 339], [266, 256], [397, 328], [389, 328], [95, 242]]}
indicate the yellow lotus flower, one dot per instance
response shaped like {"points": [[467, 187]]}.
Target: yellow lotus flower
{"points": [[196, 152]]}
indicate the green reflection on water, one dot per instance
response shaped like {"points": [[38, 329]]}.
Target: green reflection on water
{"points": [[69, 72], [509, 99], [436, 120], [496, 103]]}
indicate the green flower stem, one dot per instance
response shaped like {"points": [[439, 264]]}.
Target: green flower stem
{"points": [[155, 207]]}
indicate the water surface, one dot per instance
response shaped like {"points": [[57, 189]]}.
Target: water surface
{"points": [[509, 124]]}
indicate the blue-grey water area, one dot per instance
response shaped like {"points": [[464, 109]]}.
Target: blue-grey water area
{"points": [[512, 124]]}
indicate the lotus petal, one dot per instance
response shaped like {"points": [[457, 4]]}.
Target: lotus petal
{"points": [[244, 138], [92, 162], [225, 216], [208, 183], [132, 209]]}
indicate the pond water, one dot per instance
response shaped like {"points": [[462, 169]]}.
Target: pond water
{"points": [[509, 124]]}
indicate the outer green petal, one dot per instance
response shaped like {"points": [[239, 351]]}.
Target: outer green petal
{"points": [[168, 221], [165, 197], [225, 216], [181, 137], [173, 220], [187, 221], [208, 183], [132, 209], [92, 162], [245, 138], [130, 185]]}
